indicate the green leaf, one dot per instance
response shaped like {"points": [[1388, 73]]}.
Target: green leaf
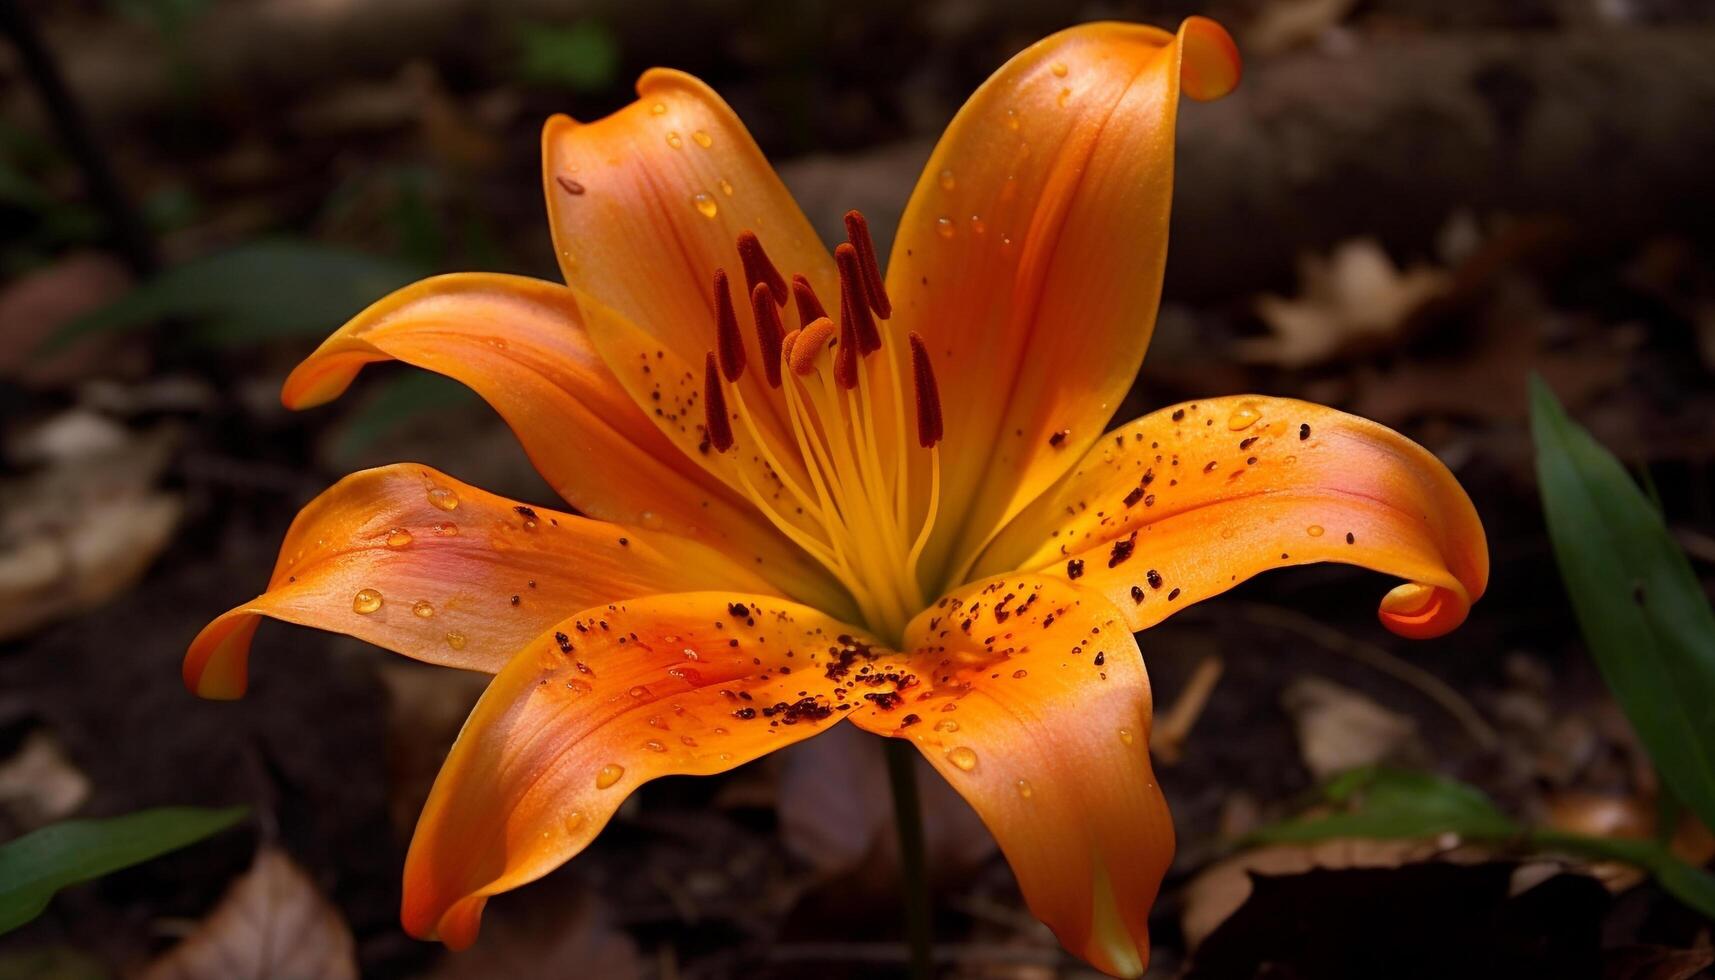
{"points": [[1390, 803], [1690, 885], [35, 866], [582, 57], [252, 293], [1642, 612]]}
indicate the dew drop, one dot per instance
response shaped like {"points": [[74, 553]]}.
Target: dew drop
{"points": [[456, 640], [689, 675], [1012, 119], [978, 226], [447, 530], [1025, 789], [1020, 674], [573, 823], [691, 654], [703, 139], [946, 725], [674, 141], [687, 741], [398, 538], [579, 687], [655, 745], [650, 520], [608, 775], [944, 227], [705, 205], [947, 182], [658, 109], [1314, 530], [1059, 69], [443, 498], [1064, 97], [366, 601], [422, 609], [962, 757], [1125, 735], [638, 691], [725, 186], [1244, 416]]}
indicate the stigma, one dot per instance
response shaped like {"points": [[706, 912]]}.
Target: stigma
{"points": [[862, 409]]}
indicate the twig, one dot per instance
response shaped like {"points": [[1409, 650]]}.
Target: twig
{"points": [[1167, 742], [1377, 658]]}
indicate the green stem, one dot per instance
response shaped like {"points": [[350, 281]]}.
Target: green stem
{"points": [[908, 819]]}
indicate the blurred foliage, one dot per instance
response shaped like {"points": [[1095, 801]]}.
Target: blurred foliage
{"points": [[37, 865], [1638, 603], [582, 57], [252, 293], [170, 17], [1391, 804]]}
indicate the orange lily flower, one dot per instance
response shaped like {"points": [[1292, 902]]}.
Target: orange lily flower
{"points": [[906, 515]]}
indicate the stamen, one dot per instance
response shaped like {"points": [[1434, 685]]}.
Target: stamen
{"points": [[719, 426], [786, 344], [929, 430], [809, 307], [854, 304], [757, 268], [727, 339], [768, 327], [846, 354], [874, 287], [810, 342]]}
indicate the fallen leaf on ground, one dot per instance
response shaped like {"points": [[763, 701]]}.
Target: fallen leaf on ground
{"points": [[39, 785], [272, 923], [1352, 299], [1339, 729]]}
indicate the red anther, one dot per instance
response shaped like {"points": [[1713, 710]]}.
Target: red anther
{"points": [[768, 331], [727, 339], [929, 429], [874, 287], [809, 344], [719, 426], [757, 268], [846, 353], [809, 307], [854, 305]]}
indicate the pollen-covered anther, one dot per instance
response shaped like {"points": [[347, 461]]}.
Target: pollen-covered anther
{"points": [[874, 287], [854, 301], [929, 428], [719, 425], [768, 330], [728, 343], [809, 304], [847, 350], [801, 354], [757, 267]]}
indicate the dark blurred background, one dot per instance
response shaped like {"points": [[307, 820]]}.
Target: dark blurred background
{"points": [[1407, 207]]}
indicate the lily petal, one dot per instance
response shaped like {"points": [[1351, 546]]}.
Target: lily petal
{"points": [[606, 701], [646, 203], [1030, 257], [520, 343], [1187, 502], [447, 573], [1032, 700]]}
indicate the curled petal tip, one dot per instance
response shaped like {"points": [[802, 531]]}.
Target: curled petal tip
{"points": [[1210, 65], [1422, 612]]}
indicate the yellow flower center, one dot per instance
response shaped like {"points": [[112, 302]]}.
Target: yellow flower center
{"points": [[868, 513]]}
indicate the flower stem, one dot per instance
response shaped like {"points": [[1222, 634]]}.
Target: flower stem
{"points": [[908, 819]]}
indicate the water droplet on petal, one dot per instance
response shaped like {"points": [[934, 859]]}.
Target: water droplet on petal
{"points": [[1020, 674], [658, 109], [608, 775], [1025, 789], [947, 182], [725, 186], [689, 675], [578, 687], [687, 741], [1064, 97], [703, 139], [944, 227], [447, 530], [978, 226], [691, 654], [398, 538], [962, 757], [1059, 69], [443, 498], [1244, 416], [1314, 530], [674, 141], [456, 640], [638, 691], [705, 205], [573, 823], [1012, 119], [366, 601], [650, 520], [655, 745], [946, 725], [422, 609], [1125, 735]]}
